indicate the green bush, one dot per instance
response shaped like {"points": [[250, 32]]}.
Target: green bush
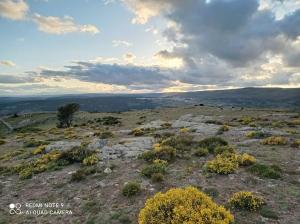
{"points": [[149, 170], [224, 149], [106, 134], [181, 143], [223, 129], [167, 153], [212, 142], [138, 132], [109, 120], [82, 173], [26, 173], [201, 152], [268, 213], [273, 171], [148, 156], [76, 154], [131, 189], [90, 160], [157, 177], [257, 134]]}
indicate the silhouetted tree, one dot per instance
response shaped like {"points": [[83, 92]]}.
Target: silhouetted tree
{"points": [[65, 114]]}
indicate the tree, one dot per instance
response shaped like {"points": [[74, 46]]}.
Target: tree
{"points": [[65, 114]]}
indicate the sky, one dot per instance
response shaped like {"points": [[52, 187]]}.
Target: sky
{"points": [[51, 47]]}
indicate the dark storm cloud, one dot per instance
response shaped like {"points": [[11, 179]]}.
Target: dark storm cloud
{"points": [[234, 31], [9, 79], [128, 75]]}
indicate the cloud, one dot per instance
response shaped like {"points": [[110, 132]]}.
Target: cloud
{"points": [[56, 25], [7, 63], [145, 9], [131, 76], [129, 57], [118, 43], [10, 79], [13, 9]]}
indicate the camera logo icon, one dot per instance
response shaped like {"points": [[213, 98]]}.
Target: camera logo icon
{"points": [[15, 209]]}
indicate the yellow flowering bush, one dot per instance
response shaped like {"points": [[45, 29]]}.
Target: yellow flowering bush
{"points": [[90, 160], [275, 140], [39, 150], [160, 161], [246, 120], [246, 160], [223, 164], [183, 206], [184, 130], [246, 200]]}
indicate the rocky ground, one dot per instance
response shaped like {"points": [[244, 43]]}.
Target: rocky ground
{"points": [[97, 198]]}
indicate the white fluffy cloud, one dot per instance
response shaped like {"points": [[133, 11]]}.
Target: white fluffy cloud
{"points": [[7, 63], [13, 9], [56, 25], [118, 43]]}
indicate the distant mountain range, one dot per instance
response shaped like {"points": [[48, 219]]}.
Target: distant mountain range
{"points": [[246, 97]]}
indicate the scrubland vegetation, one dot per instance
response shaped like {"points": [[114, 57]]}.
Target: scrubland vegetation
{"points": [[172, 166]]}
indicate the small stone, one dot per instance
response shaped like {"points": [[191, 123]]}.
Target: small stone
{"points": [[107, 170]]}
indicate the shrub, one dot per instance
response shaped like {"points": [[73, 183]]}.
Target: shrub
{"points": [[149, 170], [224, 149], [212, 192], [268, 213], [246, 201], [76, 154], [275, 140], [256, 134], [138, 132], [201, 152], [246, 120], [131, 189], [8, 156], [106, 134], [181, 143], [90, 160], [296, 144], [166, 125], [187, 205], [82, 173], [109, 120], [34, 143], [2, 142], [212, 142], [157, 177], [148, 156], [273, 171], [167, 153], [246, 160], [223, 129], [223, 164], [39, 150], [184, 130], [213, 122], [26, 173]]}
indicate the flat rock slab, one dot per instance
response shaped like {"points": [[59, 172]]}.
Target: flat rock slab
{"points": [[62, 145], [196, 123], [127, 148], [153, 124]]}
